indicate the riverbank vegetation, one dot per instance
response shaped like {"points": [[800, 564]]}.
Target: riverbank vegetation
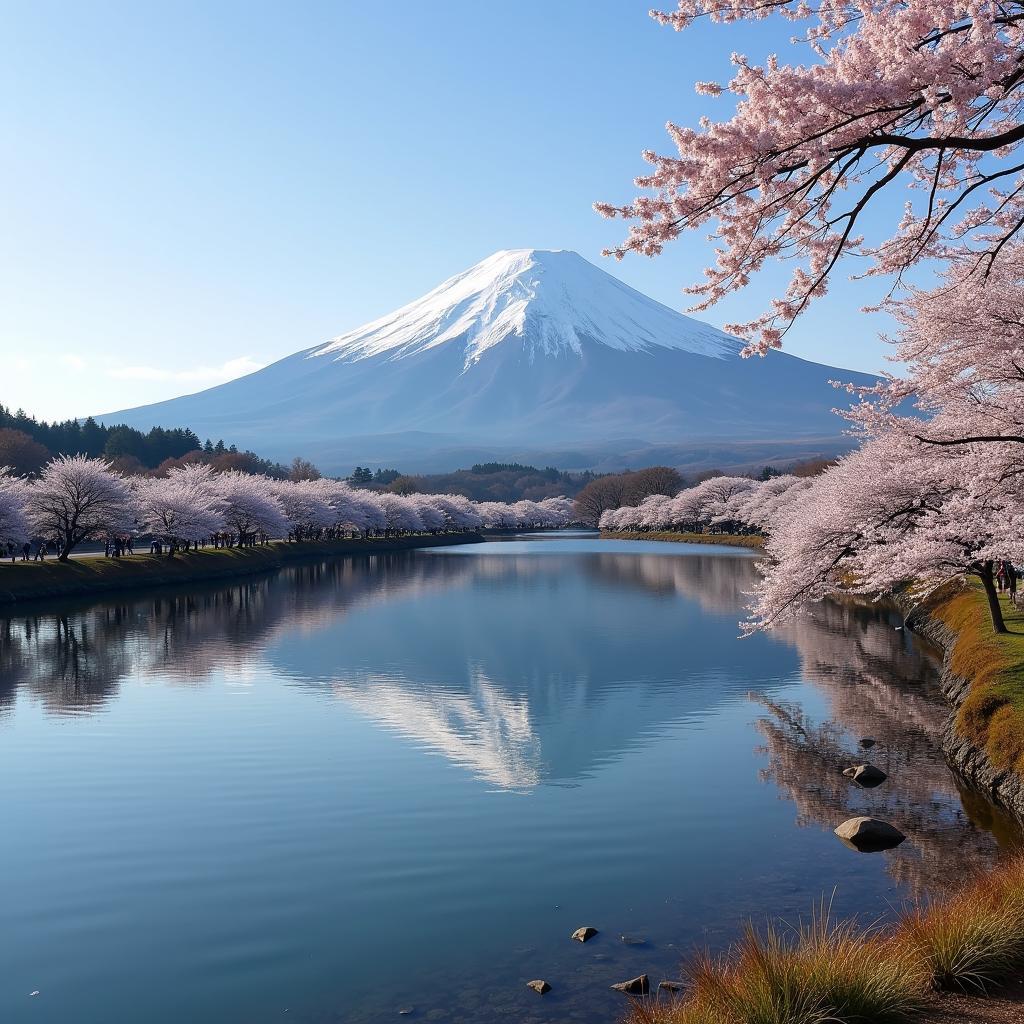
{"points": [[739, 540], [991, 716], [968, 942], [721, 506]]}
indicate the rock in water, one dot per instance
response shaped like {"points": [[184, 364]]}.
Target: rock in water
{"points": [[635, 986], [584, 933], [868, 776], [539, 986], [869, 835], [633, 940], [670, 986]]}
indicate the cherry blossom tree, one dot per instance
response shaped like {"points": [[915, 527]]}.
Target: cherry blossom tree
{"points": [[432, 517], [307, 504], [353, 510], [76, 499], [14, 527], [176, 512], [921, 93], [893, 515], [401, 514], [962, 345], [250, 506], [558, 512], [460, 513]]}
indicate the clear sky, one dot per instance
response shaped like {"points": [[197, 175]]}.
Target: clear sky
{"points": [[193, 190]]}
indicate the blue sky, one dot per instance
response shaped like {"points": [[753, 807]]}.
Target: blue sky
{"points": [[195, 190]]}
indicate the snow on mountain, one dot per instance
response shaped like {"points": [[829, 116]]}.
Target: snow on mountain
{"points": [[554, 299], [531, 355]]}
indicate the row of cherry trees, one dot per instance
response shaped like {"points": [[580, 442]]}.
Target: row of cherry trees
{"points": [[729, 504], [76, 499]]}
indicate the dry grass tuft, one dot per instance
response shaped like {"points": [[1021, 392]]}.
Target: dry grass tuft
{"points": [[975, 939], [827, 973]]}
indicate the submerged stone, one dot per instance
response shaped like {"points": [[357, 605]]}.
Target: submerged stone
{"points": [[869, 835], [633, 940], [635, 986], [867, 775]]}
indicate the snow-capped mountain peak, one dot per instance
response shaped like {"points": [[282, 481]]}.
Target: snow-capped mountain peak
{"points": [[554, 300]]}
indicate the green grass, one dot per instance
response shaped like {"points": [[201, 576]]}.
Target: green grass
{"points": [[738, 540], [840, 974], [992, 715], [26, 581]]}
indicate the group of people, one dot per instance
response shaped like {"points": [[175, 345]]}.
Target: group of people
{"points": [[1006, 579], [42, 549]]}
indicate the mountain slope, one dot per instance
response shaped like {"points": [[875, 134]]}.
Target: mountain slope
{"points": [[528, 350]]}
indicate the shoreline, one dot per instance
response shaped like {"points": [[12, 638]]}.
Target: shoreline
{"points": [[729, 540], [85, 577], [983, 681]]}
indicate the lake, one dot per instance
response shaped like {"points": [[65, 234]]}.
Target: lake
{"points": [[401, 781]]}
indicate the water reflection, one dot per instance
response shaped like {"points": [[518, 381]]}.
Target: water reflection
{"points": [[518, 705], [499, 692], [881, 683], [458, 745], [75, 662]]}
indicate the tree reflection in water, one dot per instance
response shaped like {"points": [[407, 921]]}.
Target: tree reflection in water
{"points": [[75, 662], [883, 684]]}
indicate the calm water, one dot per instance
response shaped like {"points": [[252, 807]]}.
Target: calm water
{"points": [[402, 781]]}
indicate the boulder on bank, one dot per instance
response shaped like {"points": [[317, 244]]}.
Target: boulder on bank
{"points": [[635, 986], [869, 835], [866, 775], [539, 985], [584, 933]]}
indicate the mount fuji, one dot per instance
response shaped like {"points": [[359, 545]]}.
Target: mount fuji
{"points": [[533, 355]]}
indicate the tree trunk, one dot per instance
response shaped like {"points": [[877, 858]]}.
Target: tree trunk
{"points": [[985, 572]]}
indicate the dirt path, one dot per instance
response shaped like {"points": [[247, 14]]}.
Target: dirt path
{"points": [[1007, 1007]]}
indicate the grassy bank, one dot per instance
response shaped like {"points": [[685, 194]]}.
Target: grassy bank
{"points": [[739, 540], [31, 581], [992, 715], [971, 942]]}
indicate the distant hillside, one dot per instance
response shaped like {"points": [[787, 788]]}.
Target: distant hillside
{"points": [[494, 481], [27, 444]]}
